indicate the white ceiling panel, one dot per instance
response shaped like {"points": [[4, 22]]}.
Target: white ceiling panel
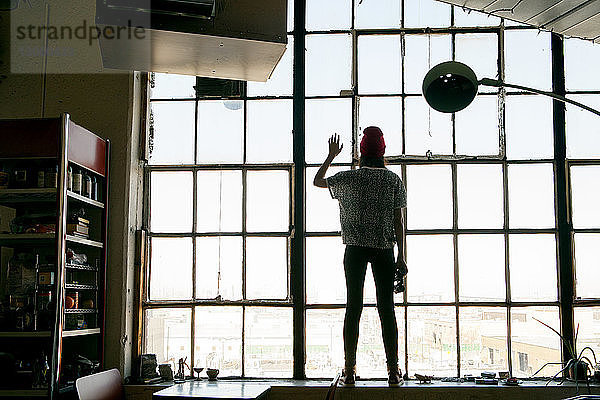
{"points": [[568, 17]]}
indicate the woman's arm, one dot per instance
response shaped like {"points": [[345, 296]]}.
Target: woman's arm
{"points": [[400, 236], [334, 149]]}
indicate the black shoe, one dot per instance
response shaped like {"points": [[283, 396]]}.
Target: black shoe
{"points": [[395, 376], [348, 376]]}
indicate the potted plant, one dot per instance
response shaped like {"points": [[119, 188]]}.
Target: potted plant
{"points": [[577, 366]]}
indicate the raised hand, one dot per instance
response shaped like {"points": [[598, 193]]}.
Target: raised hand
{"points": [[334, 145]]}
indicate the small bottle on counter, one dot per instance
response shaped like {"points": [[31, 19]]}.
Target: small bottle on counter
{"points": [[41, 178], [87, 186], [70, 178], [77, 180], [51, 180]]}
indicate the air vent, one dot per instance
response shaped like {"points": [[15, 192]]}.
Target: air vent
{"points": [[219, 88], [190, 8]]}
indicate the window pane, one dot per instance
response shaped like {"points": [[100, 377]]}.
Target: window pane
{"points": [[464, 17], [432, 341], [328, 15], [483, 345], [220, 122], [429, 196], [588, 319], [219, 267], [480, 196], [218, 339], [325, 282], [172, 86], [587, 270], [379, 14], [430, 260], [386, 113], [531, 196], [370, 354], [290, 15], [219, 201], [583, 128], [173, 141], [324, 117], [481, 268], [266, 268], [529, 138], [171, 269], [426, 13], [532, 258], [426, 129], [582, 58], [268, 213], [585, 196], [268, 342], [533, 344], [379, 67], [480, 52], [167, 334], [421, 53], [171, 201], [269, 135], [280, 83], [322, 212], [324, 342], [528, 58], [477, 131], [328, 64]]}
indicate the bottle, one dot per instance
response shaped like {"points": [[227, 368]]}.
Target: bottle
{"points": [[52, 177], [41, 178], [94, 188], [20, 177], [4, 177], [70, 178], [86, 186], [77, 180]]}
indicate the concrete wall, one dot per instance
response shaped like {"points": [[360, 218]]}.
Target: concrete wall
{"points": [[108, 105]]}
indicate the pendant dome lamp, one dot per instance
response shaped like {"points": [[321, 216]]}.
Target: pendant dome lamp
{"points": [[451, 86]]}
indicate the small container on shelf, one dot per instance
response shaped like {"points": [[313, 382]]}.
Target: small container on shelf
{"points": [[70, 178], [86, 189], [41, 178], [4, 177], [51, 178], [77, 180]]}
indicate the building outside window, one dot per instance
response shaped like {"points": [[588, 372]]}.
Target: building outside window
{"points": [[482, 230]]}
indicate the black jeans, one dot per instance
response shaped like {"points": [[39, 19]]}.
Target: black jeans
{"points": [[383, 266]]}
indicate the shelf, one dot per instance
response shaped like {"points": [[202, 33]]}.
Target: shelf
{"points": [[19, 238], [81, 267], [84, 199], [80, 311], [25, 334], [23, 393], [80, 286], [87, 242], [33, 195], [81, 332]]}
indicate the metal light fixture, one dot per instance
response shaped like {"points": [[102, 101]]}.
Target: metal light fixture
{"points": [[451, 86]]}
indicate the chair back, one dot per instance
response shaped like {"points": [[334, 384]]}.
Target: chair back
{"points": [[104, 385], [331, 391]]}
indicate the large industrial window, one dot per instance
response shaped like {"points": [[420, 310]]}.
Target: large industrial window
{"points": [[481, 218]]}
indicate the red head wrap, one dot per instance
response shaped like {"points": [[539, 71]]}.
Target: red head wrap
{"points": [[372, 143]]}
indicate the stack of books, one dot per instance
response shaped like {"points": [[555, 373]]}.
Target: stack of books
{"points": [[79, 226]]}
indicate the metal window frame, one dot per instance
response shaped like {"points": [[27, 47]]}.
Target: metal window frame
{"points": [[297, 173]]}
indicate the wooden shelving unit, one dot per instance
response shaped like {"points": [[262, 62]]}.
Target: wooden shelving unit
{"points": [[56, 144]]}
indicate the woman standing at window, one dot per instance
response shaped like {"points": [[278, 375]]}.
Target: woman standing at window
{"points": [[371, 201]]}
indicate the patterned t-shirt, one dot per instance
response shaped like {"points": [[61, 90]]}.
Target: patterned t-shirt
{"points": [[368, 198]]}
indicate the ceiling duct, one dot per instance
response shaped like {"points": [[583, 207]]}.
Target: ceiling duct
{"points": [[228, 39], [574, 18]]}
